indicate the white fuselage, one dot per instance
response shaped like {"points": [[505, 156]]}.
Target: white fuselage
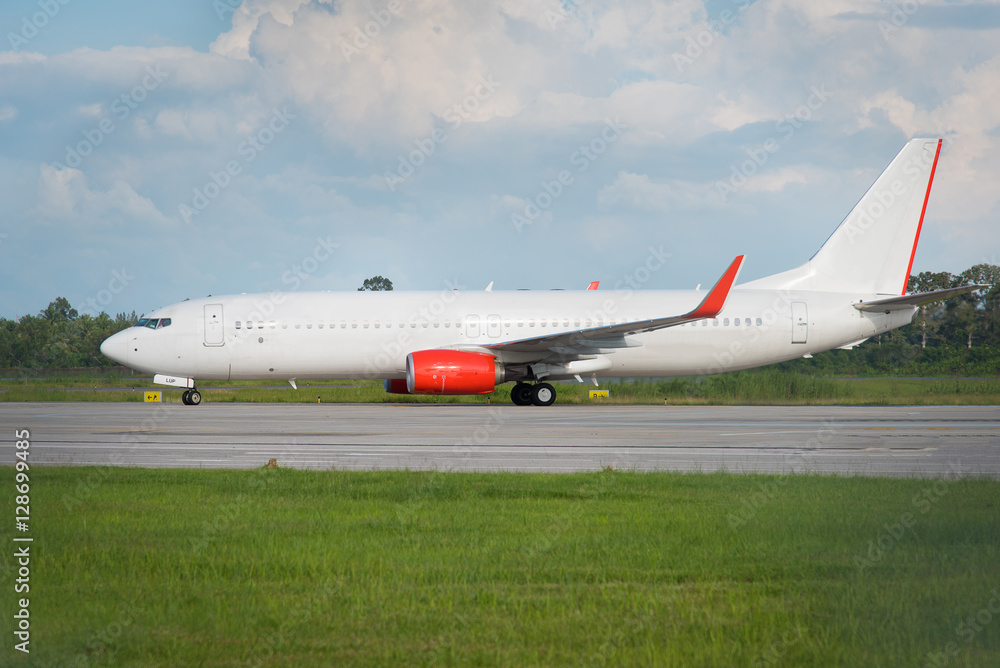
{"points": [[289, 336]]}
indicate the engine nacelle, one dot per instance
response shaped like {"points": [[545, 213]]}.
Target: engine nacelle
{"points": [[452, 372]]}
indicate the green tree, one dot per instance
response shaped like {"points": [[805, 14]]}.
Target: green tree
{"points": [[376, 283]]}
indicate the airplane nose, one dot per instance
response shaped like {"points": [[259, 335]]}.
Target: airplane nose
{"points": [[116, 347]]}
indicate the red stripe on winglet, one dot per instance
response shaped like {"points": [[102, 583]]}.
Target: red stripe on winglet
{"points": [[923, 210], [716, 299]]}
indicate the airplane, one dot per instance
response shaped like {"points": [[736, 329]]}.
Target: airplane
{"points": [[469, 342]]}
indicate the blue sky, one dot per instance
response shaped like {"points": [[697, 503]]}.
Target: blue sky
{"points": [[151, 152]]}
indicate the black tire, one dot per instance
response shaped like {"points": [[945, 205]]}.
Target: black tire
{"points": [[543, 394], [194, 397], [520, 394], [185, 398]]}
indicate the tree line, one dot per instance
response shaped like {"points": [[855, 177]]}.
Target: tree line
{"points": [[958, 335]]}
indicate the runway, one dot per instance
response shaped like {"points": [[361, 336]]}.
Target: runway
{"points": [[937, 441]]}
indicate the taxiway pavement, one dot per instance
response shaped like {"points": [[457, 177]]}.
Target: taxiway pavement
{"points": [[934, 441]]}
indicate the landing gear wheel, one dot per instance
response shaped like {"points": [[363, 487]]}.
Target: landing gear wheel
{"points": [[543, 394], [194, 397], [185, 398], [520, 394]]}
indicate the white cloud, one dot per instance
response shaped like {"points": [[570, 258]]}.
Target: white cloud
{"points": [[64, 197]]}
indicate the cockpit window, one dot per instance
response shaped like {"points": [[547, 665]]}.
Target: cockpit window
{"points": [[153, 323]]}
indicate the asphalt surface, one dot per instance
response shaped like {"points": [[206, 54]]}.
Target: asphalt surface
{"points": [[937, 441]]}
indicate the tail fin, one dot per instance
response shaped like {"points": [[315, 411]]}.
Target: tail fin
{"points": [[872, 251]]}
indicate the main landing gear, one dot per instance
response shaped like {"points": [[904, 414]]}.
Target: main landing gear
{"points": [[191, 397], [540, 394]]}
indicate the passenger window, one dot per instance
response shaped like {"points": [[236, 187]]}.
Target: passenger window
{"points": [[726, 322], [759, 323], [249, 324], [354, 324], [260, 325], [237, 324], [747, 322]]}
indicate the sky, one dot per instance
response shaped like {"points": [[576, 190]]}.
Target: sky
{"points": [[152, 152]]}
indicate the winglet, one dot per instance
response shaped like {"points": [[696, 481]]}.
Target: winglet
{"points": [[712, 304], [593, 285]]}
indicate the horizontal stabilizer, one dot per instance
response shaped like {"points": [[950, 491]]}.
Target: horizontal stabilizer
{"points": [[918, 299]]}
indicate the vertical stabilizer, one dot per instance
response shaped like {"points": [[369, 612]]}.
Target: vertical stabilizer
{"points": [[872, 251]]}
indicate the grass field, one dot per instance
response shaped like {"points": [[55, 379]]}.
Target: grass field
{"points": [[764, 386], [302, 568]]}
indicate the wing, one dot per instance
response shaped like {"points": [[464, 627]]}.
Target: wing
{"points": [[918, 299], [595, 340]]}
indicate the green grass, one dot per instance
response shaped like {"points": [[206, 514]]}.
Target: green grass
{"points": [[763, 386], [299, 568]]}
